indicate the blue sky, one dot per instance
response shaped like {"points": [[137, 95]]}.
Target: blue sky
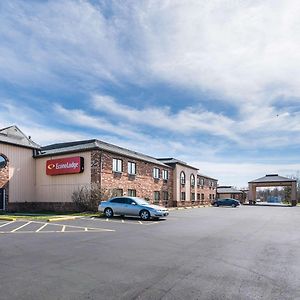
{"points": [[214, 83]]}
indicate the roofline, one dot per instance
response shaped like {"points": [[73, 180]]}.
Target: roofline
{"points": [[290, 180], [18, 145], [41, 155], [207, 176], [180, 163]]}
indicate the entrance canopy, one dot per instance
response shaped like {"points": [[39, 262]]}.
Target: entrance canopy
{"points": [[272, 180]]}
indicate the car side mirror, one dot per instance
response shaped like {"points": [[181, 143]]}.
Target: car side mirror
{"points": [[133, 203]]}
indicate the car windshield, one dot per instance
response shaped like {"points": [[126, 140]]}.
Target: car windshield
{"points": [[141, 201]]}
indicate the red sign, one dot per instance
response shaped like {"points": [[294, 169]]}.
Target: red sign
{"points": [[68, 165]]}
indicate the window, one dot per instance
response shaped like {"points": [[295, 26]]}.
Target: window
{"points": [[201, 181], [202, 196], [165, 174], [213, 196], [3, 162], [131, 168], [182, 178], [182, 196], [209, 196], [118, 192], [156, 196], [192, 181], [131, 193], [198, 181], [118, 200], [156, 173], [117, 165], [198, 196], [193, 196], [165, 196]]}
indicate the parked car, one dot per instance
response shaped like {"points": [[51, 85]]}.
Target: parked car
{"points": [[227, 202], [132, 206]]}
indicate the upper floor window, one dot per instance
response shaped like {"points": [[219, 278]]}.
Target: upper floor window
{"points": [[182, 178], [192, 180], [165, 174], [131, 168], [202, 181], [156, 173], [198, 180], [117, 165]]}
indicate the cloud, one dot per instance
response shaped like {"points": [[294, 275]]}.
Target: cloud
{"points": [[82, 119], [242, 51], [187, 121], [261, 127]]}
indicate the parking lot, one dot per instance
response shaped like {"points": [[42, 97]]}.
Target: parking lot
{"points": [[201, 253]]}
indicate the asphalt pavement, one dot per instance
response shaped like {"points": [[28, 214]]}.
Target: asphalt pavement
{"points": [[201, 253]]}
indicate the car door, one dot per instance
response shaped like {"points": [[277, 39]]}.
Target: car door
{"points": [[132, 208], [118, 205]]}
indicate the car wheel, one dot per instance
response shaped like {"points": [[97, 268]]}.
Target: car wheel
{"points": [[216, 205], [145, 215], [108, 212], [233, 205]]}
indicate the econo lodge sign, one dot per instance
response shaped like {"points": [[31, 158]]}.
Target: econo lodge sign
{"points": [[68, 165]]}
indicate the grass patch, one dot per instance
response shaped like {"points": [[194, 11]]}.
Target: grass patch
{"points": [[44, 216]]}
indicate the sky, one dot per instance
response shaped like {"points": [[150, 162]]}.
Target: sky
{"points": [[213, 83]]}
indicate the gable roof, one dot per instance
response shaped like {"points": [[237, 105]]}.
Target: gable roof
{"points": [[13, 135], [88, 145], [272, 178]]}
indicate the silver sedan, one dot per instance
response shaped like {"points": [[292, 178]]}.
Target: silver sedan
{"points": [[132, 206]]}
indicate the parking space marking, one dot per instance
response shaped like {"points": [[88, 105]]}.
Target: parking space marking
{"points": [[41, 228], [16, 229], [7, 223], [58, 228], [123, 221]]}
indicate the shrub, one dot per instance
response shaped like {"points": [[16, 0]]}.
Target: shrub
{"points": [[87, 198]]}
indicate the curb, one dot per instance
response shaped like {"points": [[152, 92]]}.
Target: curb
{"points": [[8, 219], [62, 219]]}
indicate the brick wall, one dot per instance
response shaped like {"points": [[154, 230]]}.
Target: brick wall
{"points": [[206, 187], [143, 182]]}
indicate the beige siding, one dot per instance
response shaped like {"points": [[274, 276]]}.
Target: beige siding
{"points": [[59, 188], [21, 173]]}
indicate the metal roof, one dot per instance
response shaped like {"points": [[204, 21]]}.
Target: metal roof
{"points": [[272, 178], [87, 145], [228, 190], [13, 135]]}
